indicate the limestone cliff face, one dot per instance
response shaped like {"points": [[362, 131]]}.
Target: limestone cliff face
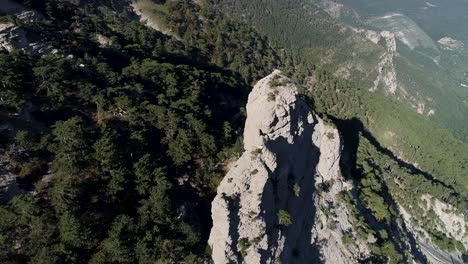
{"points": [[290, 153]]}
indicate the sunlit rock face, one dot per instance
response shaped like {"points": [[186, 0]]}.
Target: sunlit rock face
{"points": [[288, 152]]}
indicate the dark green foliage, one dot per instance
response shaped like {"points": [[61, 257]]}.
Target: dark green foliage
{"points": [[15, 79], [296, 189], [256, 152], [284, 218], [381, 184], [243, 245], [28, 155], [307, 31], [229, 44], [347, 240], [121, 124], [278, 81]]}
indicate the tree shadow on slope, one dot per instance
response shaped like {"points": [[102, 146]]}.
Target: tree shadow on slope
{"points": [[351, 131]]}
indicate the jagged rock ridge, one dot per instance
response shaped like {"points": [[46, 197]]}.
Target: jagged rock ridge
{"points": [[288, 152]]}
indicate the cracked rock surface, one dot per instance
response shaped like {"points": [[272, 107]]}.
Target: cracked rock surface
{"points": [[288, 151]]}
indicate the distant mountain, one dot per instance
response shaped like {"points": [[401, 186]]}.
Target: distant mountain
{"points": [[378, 65], [430, 59], [377, 46]]}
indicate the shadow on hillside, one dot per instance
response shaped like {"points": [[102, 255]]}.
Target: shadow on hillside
{"points": [[351, 131]]}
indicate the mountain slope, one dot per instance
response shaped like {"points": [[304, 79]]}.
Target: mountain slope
{"points": [[429, 73], [306, 191], [119, 137], [315, 37]]}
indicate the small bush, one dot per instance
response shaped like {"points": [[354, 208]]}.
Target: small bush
{"points": [[234, 196], [278, 81], [256, 240], [6, 19], [331, 224], [254, 172], [325, 186], [284, 218], [271, 97], [296, 189], [383, 234], [215, 181], [330, 135], [275, 81], [256, 152], [242, 246], [362, 233], [346, 239]]}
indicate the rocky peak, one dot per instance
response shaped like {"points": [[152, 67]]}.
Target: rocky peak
{"points": [[267, 208]]}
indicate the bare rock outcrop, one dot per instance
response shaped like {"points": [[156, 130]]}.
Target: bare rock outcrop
{"points": [[447, 221], [8, 186], [268, 208], [386, 76], [13, 36]]}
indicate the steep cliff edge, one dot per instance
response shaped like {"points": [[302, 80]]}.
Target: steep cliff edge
{"points": [[267, 207]]}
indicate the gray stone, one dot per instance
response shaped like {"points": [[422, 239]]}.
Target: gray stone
{"points": [[288, 151]]}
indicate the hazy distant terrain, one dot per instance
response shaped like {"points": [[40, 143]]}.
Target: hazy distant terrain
{"points": [[437, 18], [432, 60]]}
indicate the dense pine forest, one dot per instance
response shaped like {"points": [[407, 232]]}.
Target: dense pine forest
{"points": [[133, 135]]}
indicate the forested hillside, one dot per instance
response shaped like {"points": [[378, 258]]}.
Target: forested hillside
{"points": [[310, 34], [132, 133], [385, 185], [397, 128], [409, 135], [427, 65]]}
